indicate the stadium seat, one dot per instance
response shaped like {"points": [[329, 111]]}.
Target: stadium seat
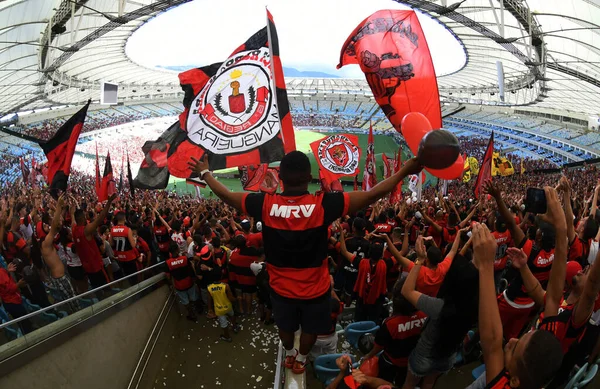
{"points": [[354, 330], [325, 368], [583, 377], [479, 370], [12, 332]]}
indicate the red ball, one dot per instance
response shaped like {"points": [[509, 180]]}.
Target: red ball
{"points": [[438, 149]]}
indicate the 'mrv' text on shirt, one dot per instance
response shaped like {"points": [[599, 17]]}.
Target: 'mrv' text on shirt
{"points": [[297, 211]]}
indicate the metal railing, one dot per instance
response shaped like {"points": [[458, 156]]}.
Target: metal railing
{"points": [[77, 297]]}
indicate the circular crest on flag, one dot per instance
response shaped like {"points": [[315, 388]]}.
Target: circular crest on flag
{"points": [[338, 154], [235, 111]]}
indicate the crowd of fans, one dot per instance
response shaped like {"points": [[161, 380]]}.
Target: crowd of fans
{"points": [[450, 265], [327, 120]]}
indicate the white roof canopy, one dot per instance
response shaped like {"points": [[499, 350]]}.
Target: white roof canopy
{"points": [[56, 52]]}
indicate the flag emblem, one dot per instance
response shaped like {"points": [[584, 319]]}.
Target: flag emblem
{"points": [[338, 154], [235, 112]]}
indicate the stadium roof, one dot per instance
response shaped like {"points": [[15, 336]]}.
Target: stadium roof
{"points": [[55, 52]]}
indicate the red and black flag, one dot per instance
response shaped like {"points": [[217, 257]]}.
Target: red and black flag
{"points": [[121, 174], [391, 49], [388, 166], [153, 172], [24, 170], [130, 177], [236, 111], [370, 174], [255, 178], [396, 194], [98, 179], [338, 156], [59, 151], [108, 181], [485, 171]]}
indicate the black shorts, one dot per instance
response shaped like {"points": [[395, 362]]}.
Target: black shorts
{"points": [[97, 279], [349, 281], [248, 289], [264, 297], [314, 316], [76, 272], [128, 267]]}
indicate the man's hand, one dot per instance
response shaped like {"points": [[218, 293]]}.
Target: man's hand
{"points": [[412, 166], [360, 377], [484, 246], [554, 213], [420, 248], [517, 257], [343, 362], [491, 189], [197, 166], [112, 198], [11, 267], [22, 283]]}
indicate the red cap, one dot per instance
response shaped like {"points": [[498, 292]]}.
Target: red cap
{"points": [[205, 253], [573, 267], [187, 221]]}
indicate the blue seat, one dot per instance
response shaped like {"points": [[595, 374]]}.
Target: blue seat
{"points": [[354, 330], [12, 332], [87, 302], [31, 307], [583, 377], [325, 368], [478, 371]]}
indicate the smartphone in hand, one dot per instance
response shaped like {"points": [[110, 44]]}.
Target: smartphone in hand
{"points": [[535, 201]]}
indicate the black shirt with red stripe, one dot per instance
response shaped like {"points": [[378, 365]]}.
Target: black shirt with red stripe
{"points": [[399, 335], [501, 381], [539, 262], [182, 272], [295, 238], [563, 328]]}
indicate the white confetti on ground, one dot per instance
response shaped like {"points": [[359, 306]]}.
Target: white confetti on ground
{"points": [[259, 378]]}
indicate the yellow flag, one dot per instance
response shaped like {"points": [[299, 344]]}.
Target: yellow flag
{"points": [[466, 171], [522, 166]]}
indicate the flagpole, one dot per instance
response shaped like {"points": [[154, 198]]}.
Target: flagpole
{"points": [[273, 81]]}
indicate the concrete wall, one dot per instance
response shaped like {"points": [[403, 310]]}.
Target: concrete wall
{"points": [[102, 357]]}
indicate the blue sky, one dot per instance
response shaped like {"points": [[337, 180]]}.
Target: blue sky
{"points": [[311, 33]]}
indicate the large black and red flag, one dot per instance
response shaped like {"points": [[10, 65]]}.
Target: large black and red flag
{"points": [[485, 171], [130, 178], [338, 156], [153, 172], [108, 186], [236, 111], [370, 172], [391, 49], [388, 165], [59, 151]]}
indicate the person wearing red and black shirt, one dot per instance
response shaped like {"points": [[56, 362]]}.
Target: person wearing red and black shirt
{"points": [[393, 270], [516, 307], [503, 241], [581, 238], [124, 245], [14, 243], [11, 296], [87, 248], [397, 337], [241, 276], [370, 287], [182, 274], [532, 360], [143, 248], [295, 240], [454, 224], [358, 246], [162, 235]]}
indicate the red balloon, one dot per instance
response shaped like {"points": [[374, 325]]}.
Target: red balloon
{"points": [[450, 173], [414, 127]]}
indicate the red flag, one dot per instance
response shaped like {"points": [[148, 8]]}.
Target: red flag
{"points": [[98, 181], [338, 156], [60, 149], [261, 178], [396, 194], [388, 165], [369, 174], [153, 172], [108, 187], [391, 49], [236, 111], [485, 171]]}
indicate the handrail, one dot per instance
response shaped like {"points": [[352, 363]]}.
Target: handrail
{"points": [[35, 313]]}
